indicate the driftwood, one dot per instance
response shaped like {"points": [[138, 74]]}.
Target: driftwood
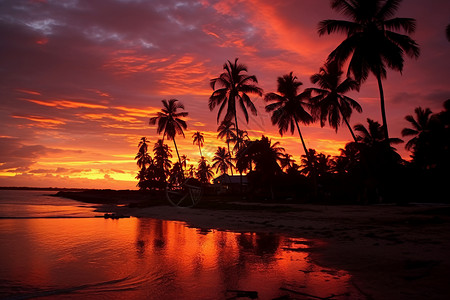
{"points": [[243, 294], [311, 296]]}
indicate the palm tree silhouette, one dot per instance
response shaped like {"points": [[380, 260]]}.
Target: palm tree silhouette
{"points": [[315, 164], [222, 160], [447, 32], [287, 107], [143, 158], [204, 172], [330, 103], [266, 157], [199, 140], [226, 130], [170, 122], [233, 87], [420, 124], [371, 41], [162, 163]]}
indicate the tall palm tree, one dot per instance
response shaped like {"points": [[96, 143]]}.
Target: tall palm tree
{"points": [[330, 102], [372, 41], [233, 87], [420, 124], [222, 160], [170, 122], [287, 107], [199, 140]]}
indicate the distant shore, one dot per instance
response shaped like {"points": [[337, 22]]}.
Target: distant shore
{"points": [[393, 252]]}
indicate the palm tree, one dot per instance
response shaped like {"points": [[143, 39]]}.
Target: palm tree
{"points": [[233, 87], [447, 32], [222, 160], [330, 102], [263, 154], [372, 41], [286, 161], [226, 130], [420, 124], [143, 158], [287, 107], [204, 171], [162, 163], [199, 140], [239, 140], [315, 164], [170, 122]]}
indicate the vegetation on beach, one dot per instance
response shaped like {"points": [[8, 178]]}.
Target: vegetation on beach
{"points": [[368, 170]]}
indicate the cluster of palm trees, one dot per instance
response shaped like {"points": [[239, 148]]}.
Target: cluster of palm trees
{"points": [[371, 46]]}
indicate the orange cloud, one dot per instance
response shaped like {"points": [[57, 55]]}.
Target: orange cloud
{"points": [[65, 104], [28, 92], [127, 62], [120, 118], [138, 112], [41, 121]]}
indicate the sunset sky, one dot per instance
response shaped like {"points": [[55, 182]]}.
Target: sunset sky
{"points": [[80, 79]]}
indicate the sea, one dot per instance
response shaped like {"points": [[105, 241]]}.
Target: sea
{"points": [[56, 248]]}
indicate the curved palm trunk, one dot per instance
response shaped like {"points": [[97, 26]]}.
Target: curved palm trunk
{"points": [[239, 145], [176, 149], [346, 121], [314, 176], [348, 125], [200, 149], [237, 131], [383, 110], [228, 144], [350, 128], [301, 138]]}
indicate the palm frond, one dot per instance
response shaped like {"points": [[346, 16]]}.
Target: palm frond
{"points": [[337, 26]]}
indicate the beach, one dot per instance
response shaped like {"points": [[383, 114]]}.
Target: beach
{"points": [[391, 251]]}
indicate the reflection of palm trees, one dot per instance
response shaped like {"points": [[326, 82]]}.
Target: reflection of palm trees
{"points": [[170, 122], [420, 125], [371, 40], [287, 107], [199, 140], [330, 102], [233, 87], [222, 160]]}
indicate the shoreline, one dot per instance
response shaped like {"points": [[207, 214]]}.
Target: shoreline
{"points": [[391, 251]]}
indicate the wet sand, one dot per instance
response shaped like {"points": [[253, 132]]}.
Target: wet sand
{"points": [[393, 252]]}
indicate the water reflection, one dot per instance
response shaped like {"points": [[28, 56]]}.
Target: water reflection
{"points": [[154, 259]]}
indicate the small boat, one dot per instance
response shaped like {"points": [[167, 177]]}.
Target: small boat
{"points": [[114, 216]]}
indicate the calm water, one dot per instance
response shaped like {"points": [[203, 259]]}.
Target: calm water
{"points": [[83, 257]]}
